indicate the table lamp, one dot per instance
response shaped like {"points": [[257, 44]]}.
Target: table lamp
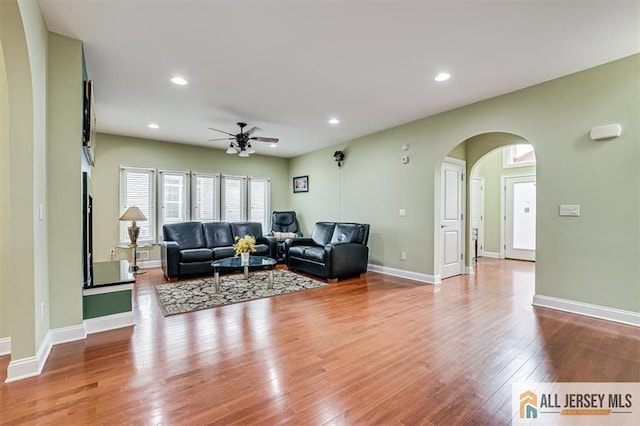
{"points": [[133, 214]]}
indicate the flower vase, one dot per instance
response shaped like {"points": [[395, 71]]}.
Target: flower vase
{"points": [[244, 258]]}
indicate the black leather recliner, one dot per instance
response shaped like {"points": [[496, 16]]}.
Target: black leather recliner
{"points": [[335, 250], [284, 225]]}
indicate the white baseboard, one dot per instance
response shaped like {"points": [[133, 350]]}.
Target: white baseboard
{"points": [[109, 322], [416, 276], [68, 334], [490, 254], [32, 366], [469, 270], [594, 311], [150, 264], [5, 346]]}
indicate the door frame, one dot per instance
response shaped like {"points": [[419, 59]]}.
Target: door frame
{"points": [[503, 209], [480, 179], [463, 228]]}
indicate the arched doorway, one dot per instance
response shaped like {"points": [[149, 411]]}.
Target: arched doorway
{"points": [[471, 151]]}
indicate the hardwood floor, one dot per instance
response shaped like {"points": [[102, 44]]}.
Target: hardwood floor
{"points": [[378, 350]]}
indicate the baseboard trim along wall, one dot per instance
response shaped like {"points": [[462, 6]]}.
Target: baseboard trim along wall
{"points": [[150, 264], [415, 276], [490, 254], [109, 322], [32, 366], [68, 334], [586, 309], [5, 346]]}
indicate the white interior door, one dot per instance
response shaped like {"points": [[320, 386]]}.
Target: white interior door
{"points": [[476, 210], [520, 218], [451, 226]]}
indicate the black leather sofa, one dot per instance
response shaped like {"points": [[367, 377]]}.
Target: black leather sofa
{"points": [[189, 248], [335, 250]]}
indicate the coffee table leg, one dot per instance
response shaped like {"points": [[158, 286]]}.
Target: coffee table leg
{"points": [[246, 272], [270, 278], [216, 280]]}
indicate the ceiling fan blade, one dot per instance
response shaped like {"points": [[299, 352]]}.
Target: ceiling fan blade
{"points": [[221, 131], [222, 139], [272, 140], [252, 130]]}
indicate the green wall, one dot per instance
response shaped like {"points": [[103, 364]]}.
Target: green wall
{"points": [[490, 168], [65, 180], [114, 151], [591, 259]]}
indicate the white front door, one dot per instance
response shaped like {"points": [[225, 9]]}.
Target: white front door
{"points": [[451, 227], [520, 218]]}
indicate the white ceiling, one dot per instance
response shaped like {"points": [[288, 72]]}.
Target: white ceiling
{"points": [[288, 66]]}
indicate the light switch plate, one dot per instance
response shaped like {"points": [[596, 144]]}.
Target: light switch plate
{"points": [[569, 209]]}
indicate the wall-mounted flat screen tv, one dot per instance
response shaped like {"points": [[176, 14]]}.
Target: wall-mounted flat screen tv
{"points": [[89, 123]]}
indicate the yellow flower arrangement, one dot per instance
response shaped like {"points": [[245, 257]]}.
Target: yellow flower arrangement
{"points": [[246, 244]]}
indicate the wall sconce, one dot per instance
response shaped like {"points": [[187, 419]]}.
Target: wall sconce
{"points": [[339, 157]]}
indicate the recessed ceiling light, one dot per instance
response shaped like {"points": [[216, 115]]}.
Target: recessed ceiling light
{"points": [[443, 76], [274, 145], [179, 81], [334, 121], [153, 126]]}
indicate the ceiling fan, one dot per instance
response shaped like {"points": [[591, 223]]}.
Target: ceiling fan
{"points": [[241, 142]]}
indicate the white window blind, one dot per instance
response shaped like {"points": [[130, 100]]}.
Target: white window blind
{"points": [[137, 189], [205, 195], [234, 200], [259, 201], [174, 197]]}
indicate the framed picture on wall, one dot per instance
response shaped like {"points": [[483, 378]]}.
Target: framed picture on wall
{"points": [[301, 184]]}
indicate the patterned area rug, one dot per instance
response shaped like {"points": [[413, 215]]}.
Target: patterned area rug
{"points": [[187, 296]]}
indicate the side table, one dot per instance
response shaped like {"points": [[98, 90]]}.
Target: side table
{"points": [[134, 264]]}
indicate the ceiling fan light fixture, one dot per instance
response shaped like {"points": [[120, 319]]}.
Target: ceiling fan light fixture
{"points": [[231, 150], [274, 145], [243, 153], [250, 149]]}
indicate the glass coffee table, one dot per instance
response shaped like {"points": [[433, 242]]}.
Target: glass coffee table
{"points": [[236, 263]]}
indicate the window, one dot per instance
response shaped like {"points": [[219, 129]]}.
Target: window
{"points": [[234, 199], [174, 197], [204, 197], [518, 156], [259, 206], [184, 196], [137, 189]]}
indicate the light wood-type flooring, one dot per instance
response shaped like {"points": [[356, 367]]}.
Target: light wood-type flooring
{"points": [[378, 350]]}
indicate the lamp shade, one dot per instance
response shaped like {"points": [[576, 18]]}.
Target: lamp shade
{"points": [[133, 214]]}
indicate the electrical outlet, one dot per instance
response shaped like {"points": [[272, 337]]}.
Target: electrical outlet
{"points": [[403, 255]]}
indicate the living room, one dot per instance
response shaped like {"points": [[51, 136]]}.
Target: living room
{"points": [[586, 264]]}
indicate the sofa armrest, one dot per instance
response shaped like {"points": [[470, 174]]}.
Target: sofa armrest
{"points": [[346, 259], [169, 256], [273, 246]]}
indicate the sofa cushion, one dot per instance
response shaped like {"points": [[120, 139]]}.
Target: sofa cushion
{"points": [[188, 235], [195, 255], [240, 229], [262, 250], [348, 233], [317, 254], [222, 252], [322, 232], [217, 234]]}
